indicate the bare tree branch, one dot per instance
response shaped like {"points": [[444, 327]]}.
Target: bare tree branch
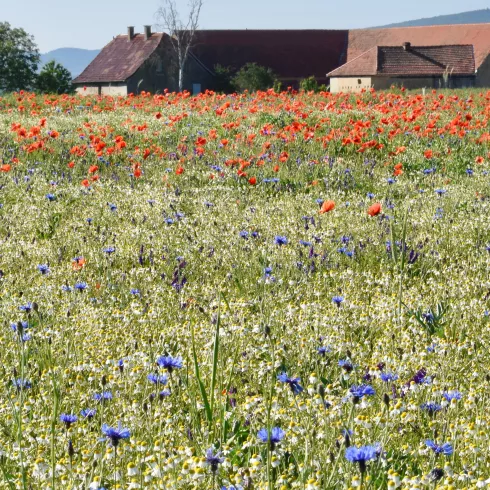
{"points": [[181, 34]]}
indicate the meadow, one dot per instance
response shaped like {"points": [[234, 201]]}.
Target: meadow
{"points": [[258, 291]]}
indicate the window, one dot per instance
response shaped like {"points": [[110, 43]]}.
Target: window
{"points": [[159, 66], [359, 81], [196, 88]]}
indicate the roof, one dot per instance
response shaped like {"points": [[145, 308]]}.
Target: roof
{"points": [[291, 54], [120, 59], [361, 40], [414, 61]]}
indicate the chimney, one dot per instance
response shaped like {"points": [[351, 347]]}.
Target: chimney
{"points": [[130, 32], [147, 30], [407, 46]]}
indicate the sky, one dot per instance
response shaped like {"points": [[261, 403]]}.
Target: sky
{"points": [[91, 24]]}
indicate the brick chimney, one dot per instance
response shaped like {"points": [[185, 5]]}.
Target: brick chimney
{"points": [[147, 31], [407, 46], [130, 32]]}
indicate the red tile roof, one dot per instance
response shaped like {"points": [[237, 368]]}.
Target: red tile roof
{"points": [[120, 59], [414, 61], [291, 54], [361, 40]]}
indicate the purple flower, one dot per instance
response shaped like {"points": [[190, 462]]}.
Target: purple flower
{"points": [[88, 413], [158, 379], [213, 459], [280, 240]]}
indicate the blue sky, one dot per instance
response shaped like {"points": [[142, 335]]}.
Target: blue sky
{"points": [[91, 24]]}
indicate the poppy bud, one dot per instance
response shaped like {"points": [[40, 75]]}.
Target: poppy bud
{"points": [[386, 400]]}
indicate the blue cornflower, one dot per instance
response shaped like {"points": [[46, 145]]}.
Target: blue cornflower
{"points": [[361, 455], [390, 181], [337, 300], [43, 269], [445, 448], [232, 487], [214, 459], [293, 383], [88, 413], [362, 390], [112, 207], [22, 384], [255, 234], [102, 397], [27, 307], [323, 350], [346, 365], [388, 377], [244, 234], [134, 291], [452, 395], [275, 436], [431, 407], [170, 363], [169, 221], [68, 419], [115, 434], [305, 243], [370, 195], [109, 250], [280, 240], [469, 172], [65, 287], [80, 286], [157, 379], [440, 192], [50, 197]]}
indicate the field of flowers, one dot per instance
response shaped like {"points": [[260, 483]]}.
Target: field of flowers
{"points": [[267, 291]]}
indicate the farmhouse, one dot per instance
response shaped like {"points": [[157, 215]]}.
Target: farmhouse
{"points": [[431, 56], [409, 66], [133, 62]]}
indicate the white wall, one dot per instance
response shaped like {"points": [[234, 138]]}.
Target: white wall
{"points": [[349, 84]]}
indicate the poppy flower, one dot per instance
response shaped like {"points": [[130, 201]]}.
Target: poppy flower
{"points": [[5, 168], [71, 164], [479, 159], [92, 169], [252, 181], [374, 209], [179, 170], [428, 154], [327, 206], [85, 183]]}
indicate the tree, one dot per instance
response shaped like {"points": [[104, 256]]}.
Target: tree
{"points": [[253, 77], [181, 34], [54, 79], [223, 82], [19, 58]]}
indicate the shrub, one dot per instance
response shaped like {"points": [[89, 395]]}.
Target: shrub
{"points": [[253, 77]]}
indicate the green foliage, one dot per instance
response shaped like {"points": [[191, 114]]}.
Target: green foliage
{"points": [[19, 58], [310, 84], [253, 77], [54, 79], [223, 79]]}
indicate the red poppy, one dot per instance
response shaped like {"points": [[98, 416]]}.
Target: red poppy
{"points": [[85, 183], [375, 209], [179, 170], [479, 159], [92, 169], [71, 164], [428, 154], [252, 181], [327, 206], [5, 168]]}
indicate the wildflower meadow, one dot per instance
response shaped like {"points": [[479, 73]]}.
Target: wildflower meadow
{"points": [[259, 291]]}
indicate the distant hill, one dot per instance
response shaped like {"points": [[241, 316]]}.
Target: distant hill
{"points": [[473, 17], [73, 59]]}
